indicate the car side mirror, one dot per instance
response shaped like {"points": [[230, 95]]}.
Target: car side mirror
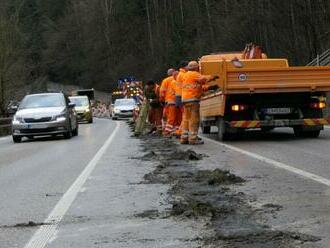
{"points": [[71, 105], [14, 107]]}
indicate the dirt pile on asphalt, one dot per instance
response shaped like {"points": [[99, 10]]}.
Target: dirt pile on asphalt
{"points": [[26, 225], [205, 195]]}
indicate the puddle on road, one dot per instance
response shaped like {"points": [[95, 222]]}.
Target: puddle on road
{"points": [[202, 195]]}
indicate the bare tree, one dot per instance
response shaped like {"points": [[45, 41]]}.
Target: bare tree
{"points": [[9, 48]]}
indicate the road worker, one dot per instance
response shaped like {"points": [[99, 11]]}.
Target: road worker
{"points": [[167, 99], [152, 91], [178, 96], [192, 89], [173, 113]]}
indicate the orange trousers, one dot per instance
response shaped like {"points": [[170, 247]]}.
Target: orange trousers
{"points": [[190, 121], [173, 118], [178, 124]]}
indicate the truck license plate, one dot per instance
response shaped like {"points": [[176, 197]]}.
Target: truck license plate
{"points": [[281, 111]]}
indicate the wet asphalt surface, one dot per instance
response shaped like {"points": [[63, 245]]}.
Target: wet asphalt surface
{"points": [[132, 199]]}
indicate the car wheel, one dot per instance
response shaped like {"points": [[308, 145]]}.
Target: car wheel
{"points": [[91, 120], [114, 118], [68, 134], [75, 131], [306, 134], [17, 139]]}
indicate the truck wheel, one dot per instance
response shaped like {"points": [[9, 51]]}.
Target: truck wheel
{"points": [[267, 129], [222, 134], [206, 129], [75, 132], [313, 134], [298, 132]]}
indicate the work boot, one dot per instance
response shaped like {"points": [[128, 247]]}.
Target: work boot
{"points": [[196, 142]]}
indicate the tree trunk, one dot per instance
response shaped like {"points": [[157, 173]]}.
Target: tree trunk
{"points": [[150, 29]]}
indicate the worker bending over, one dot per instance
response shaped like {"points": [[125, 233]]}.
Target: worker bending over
{"points": [[156, 109]]}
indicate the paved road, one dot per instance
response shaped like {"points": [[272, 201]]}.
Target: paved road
{"points": [[93, 189], [283, 170], [86, 190], [35, 174]]}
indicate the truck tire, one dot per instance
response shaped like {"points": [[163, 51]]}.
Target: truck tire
{"points": [[313, 134], [298, 132], [222, 132], [267, 129], [205, 129]]}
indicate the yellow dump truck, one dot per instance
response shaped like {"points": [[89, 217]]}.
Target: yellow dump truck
{"points": [[265, 94]]}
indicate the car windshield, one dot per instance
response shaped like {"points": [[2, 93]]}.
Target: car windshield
{"points": [[79, 101], [125, 102], [42, 101]]}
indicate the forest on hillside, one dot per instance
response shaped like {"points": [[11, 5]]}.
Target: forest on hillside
{"points": [[92, 43]]}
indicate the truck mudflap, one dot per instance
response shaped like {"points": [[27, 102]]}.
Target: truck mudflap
{"points": [[280, 123]]}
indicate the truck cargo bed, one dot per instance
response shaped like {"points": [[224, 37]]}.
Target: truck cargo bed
{"points": [[272, 80]]}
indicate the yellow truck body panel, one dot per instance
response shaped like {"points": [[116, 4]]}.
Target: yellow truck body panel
{"points": [[263, 93]]}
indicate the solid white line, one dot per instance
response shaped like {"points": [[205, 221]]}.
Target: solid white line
{"points": [[46, 232], [274, 163]]}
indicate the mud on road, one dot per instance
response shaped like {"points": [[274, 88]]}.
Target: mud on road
{"points": [[209, 197]]}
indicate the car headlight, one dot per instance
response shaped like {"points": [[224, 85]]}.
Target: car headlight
{"points": [[87, 110], [61, 117], [17, 120], [116, 110]]}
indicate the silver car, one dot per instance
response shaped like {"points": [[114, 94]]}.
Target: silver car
{"points": [[123, 108], [44, 114]]}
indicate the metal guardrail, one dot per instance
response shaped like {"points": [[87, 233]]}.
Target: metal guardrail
{"points": [[5, 122], [5, 126], [321, 60]]}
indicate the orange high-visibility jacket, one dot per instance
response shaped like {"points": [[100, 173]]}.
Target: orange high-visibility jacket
{"points": [[193, 86], [170, 93], [166, 90], [179, 81]]}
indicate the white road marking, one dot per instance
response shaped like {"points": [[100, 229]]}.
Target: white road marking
{"points": [[274, 163], [326, 127], [45, 233]]}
